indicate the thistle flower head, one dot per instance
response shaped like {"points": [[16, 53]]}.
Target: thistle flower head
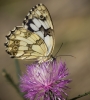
{"points": [[45, 81]]}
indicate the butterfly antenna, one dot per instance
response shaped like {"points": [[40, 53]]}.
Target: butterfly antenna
{"points": [[58, 50], [66, 55]]}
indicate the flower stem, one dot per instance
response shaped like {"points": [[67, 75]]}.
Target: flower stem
{"points": [[80, 96], [17, 68], [10, 80]]}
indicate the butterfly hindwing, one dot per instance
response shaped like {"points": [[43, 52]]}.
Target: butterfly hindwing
{"points": [[24, 44], [38, 20]]}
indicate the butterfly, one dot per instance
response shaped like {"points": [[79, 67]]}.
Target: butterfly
{"points": [[34, 40]]}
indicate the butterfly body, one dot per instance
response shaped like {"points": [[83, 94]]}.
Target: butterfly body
{"points": [[34, 40]]}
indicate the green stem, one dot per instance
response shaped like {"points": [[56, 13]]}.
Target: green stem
{"points": [[80, 96], [17, 68], [10, 80]]}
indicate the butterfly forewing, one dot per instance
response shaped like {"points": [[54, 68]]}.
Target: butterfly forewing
{"points": [[38, 20]]}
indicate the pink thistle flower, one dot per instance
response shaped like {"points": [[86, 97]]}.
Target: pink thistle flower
{"points": [[45, 81]]}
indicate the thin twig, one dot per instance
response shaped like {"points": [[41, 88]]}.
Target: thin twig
{"points": [[80, 96]]}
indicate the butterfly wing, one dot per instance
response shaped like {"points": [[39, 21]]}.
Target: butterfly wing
{"points": [[24, 44], [38, 20]]}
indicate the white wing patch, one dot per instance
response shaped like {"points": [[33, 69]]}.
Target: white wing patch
{"points": [[34, 27], [37, 23]]}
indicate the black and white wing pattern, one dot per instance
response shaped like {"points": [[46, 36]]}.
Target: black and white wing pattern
{"points": [[38, 20], [34, 40]]}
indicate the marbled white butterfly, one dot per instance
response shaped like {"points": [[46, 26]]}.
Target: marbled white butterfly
{"points": [[34, 40]]}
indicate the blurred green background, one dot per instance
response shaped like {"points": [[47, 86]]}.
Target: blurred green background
{"points": [[71, 19]]}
